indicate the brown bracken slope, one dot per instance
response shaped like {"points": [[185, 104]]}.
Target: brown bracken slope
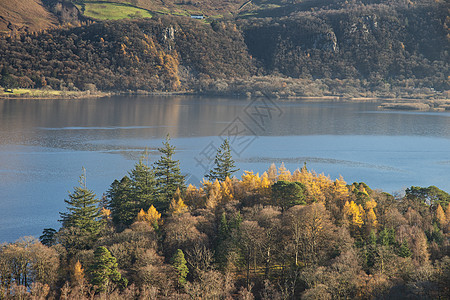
{"points": [[24, 15]]}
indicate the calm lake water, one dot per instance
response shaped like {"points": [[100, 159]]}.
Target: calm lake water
{"points": [[44, 145]]}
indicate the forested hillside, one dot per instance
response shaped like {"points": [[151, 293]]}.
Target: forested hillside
{"points": [[356, 48], [126, 55], [376, 42], [280, 235]]}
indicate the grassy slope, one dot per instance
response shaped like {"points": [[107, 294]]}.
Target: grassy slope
{"points": [[25, 14], [214, 8], [112, 11]]}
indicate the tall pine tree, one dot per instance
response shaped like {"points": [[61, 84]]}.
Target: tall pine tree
{"points": [[82, 224], [128, 196], [224, 165], [168, 175]]}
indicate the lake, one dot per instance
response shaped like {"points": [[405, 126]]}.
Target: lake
{"points": [[45, 143]]}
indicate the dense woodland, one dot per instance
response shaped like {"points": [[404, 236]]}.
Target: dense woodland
{"points": [[390, 48], [279, 235]]}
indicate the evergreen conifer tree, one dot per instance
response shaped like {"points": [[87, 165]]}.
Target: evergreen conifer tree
{"points": [[179, 263], [48, 237], [104, 270], [82, 220], [404, 250], [224, 165], [132, 194], [168, 175]]}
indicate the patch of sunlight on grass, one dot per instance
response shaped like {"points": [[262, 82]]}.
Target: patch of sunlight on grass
{"points": [[113, 11]]}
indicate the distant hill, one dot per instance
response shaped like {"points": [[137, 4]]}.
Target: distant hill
{"points": [[353, 47], [25, 15]]}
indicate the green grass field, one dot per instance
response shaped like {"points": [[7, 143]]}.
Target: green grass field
{"points": [[112, 11]]}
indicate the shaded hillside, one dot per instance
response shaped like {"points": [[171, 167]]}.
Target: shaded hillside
{"points": [[25, 15], [126, 55], [374, 42]]}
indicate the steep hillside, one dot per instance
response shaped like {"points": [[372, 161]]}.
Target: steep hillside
{"points": [[150, 54], [25, 15], [373, 42]]}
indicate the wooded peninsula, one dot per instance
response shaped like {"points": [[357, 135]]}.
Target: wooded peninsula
{"points": [[279, 235]]}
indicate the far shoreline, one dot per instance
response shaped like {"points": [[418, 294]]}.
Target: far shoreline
{"points": [[386, 103]]}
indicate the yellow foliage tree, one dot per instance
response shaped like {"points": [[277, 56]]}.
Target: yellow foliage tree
{"points": [[340, 189], [226, 190], [78, 274], [353, 213], [272, 173], [440, 216], [371, 219], [283, 173], [213, 191], [142, 216], [250, 181], [177, 207], [153, 216], [265, 185], [105, 213], [370, 216]]}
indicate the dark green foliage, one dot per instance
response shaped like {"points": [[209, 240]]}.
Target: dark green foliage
{"points": [[386, 237], [431, 195], [143, 186], [121, 205], [286, 194], [48, 237], [131, 194], [83, 217], [404, 250], [168, 175], [370, 250], [222, 241], [104, 270], [435, 234], [179, 263], [384, 44], [224, 165], [8, 81]]}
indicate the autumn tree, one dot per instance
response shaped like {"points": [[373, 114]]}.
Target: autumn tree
{"points": [[177, 207], [27, 261], [440, 216], [152, 216], [78, 277], [310, 231]]}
